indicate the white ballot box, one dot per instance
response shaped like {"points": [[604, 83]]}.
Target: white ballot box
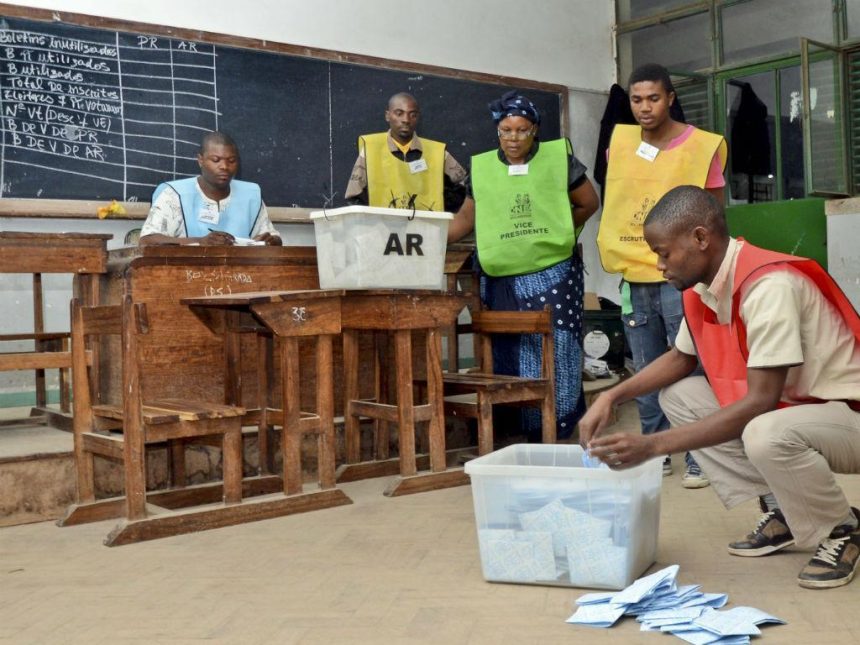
{"points": [[544, 518], [366, 247]]}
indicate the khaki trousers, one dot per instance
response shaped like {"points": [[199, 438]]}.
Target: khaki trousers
{"points": [[792, 452]]}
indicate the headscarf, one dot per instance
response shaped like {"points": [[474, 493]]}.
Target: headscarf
{"points": [[513, 104]]}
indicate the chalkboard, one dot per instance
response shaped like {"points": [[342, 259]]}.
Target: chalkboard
{"points": [[91, 114]]}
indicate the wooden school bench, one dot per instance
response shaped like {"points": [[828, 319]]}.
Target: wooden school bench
{"points": [[82, 254]]}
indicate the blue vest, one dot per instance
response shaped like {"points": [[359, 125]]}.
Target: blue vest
{"points": [[237, 219]]}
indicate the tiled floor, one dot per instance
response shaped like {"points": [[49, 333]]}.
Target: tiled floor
{"points": [[402, 570]]}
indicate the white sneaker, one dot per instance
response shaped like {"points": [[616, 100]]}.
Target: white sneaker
{"points": [[694, 477], [667, 466]]}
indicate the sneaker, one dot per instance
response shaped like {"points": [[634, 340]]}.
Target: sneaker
{"points": [[694, 477], [835, 560], [770, 534], [667, 466]]}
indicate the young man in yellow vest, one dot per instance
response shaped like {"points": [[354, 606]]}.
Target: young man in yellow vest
{"points": [[645, 161], [779, 412], [399, 169]]}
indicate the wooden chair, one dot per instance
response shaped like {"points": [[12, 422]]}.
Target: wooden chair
{"points": [[123, 430], [473, 394]]}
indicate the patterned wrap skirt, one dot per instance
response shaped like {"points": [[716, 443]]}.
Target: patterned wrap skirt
{"points": [[561, 288]]}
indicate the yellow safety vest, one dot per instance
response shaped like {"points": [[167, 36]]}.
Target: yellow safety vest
{"points": [[391, 182], [634, 185]]}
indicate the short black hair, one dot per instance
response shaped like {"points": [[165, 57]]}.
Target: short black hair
{"points": [[686, 208], [403, 95], [654, 73], [217, 138]]}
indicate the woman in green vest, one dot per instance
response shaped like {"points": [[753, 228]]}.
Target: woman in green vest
{"points": [[527, 200]]}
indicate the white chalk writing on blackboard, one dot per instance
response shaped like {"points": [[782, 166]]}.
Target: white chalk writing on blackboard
{"points": [[103, 105]]}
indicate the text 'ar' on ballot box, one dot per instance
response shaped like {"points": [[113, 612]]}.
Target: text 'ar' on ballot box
{"points": [[366, 247]]}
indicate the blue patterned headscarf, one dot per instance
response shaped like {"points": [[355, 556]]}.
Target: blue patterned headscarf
{"points": [[513, 104]]}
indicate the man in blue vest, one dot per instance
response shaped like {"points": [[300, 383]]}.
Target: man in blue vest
{"points": [[212, 209]]}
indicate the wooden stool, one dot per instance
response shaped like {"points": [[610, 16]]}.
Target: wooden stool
{"points": [[400, 312]]}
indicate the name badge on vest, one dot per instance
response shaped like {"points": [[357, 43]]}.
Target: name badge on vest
{"points": [[209, 214], [419, 165], [518, 169], [647, 151]]}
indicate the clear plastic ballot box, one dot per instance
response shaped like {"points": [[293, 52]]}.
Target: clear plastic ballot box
{"points": [[543, 518], [367, 247]]}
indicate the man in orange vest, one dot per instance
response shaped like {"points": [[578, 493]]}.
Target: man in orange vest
{"points": [[779, 411]]}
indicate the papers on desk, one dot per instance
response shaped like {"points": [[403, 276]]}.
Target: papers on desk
{"points": [[247, 241], [660, 605]]}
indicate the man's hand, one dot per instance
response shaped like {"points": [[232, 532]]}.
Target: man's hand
{"points": [[270, 239], [216, 238], [622, 450], [596, 418]]}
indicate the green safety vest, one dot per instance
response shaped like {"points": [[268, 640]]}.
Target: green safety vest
{"points": [[523, 222]]}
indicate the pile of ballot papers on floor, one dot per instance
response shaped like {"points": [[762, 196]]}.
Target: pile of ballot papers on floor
{"points": [[660, 605]]}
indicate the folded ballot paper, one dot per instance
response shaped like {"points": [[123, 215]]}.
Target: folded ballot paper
{"points": [[556, 541], [660, 605]]}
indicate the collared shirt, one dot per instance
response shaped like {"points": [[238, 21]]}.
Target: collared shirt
{"points": [[356, 189], [165, 216], [789, 322]]}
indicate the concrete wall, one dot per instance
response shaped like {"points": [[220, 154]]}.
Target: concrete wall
{"points": [[568, 42]]}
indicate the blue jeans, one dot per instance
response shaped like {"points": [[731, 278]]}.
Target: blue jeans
{"points": [[650, 331]]}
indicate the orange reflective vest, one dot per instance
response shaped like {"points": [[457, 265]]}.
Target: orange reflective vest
{"points": [[722, 348]]}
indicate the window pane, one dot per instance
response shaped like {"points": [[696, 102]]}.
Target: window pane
{"points": [[750, 102], [694, 99], [690, 48], [826, 125], [767, 27], [632, 9], [791, 133], [854, 115], [853, 17]]}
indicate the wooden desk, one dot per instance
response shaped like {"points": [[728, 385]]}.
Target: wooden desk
{"points": [[290, 315], [82, 254], [185, 358], [400, 312]]}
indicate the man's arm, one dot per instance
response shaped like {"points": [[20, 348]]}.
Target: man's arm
{"points": [[356, 188], [264, 230], [669, 368], [463, 222], [624, 450]]}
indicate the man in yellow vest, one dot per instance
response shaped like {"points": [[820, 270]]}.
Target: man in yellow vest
{"points": [[646, 161], [399, 169]]}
